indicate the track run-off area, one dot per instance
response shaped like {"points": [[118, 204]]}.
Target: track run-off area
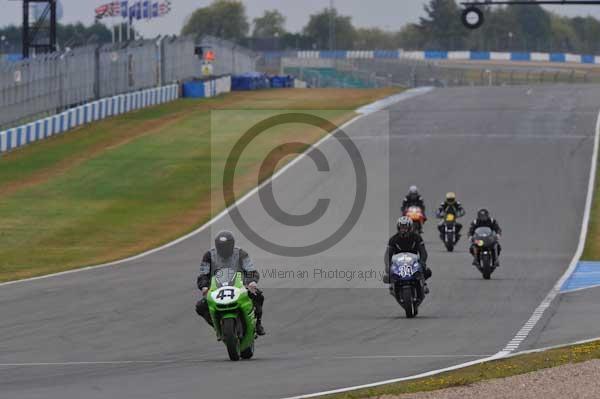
{"points": [[130, 330]]}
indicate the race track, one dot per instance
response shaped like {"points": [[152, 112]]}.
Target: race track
{"points": [[131, 331]]}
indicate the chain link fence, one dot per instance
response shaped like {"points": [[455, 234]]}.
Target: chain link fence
{"points": [[232, 59], [52, 83], [414, 73]]}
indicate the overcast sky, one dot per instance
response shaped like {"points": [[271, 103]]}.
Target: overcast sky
{"points": [[386, 14]]}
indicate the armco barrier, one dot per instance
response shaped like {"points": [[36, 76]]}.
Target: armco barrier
{"points": [[440, 55], [97, 110]]}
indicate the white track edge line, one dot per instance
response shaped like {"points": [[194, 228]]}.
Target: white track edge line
{"points": [[363, 111], [580, 289], [395, 380], [533, 320], [497, 356], [524, 332]]}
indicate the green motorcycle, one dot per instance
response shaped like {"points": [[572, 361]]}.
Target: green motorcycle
{"points": [[232, 313]]}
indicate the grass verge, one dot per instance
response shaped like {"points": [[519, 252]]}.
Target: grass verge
{"points": [[130, 183], [592, 241], [520, 364]]}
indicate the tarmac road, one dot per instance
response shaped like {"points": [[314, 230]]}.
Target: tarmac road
{"points": [[131, 331]]}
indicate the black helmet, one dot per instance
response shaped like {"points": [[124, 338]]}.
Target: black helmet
{"points": [[483, 215], [224, 243], [404, 226]]}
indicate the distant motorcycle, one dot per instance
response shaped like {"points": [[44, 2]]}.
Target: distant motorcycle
{"points": [[232, 313], [485, 241], [408, 282], [416, 214], [449, 230]]}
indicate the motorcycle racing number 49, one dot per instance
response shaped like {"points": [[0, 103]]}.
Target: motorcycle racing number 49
{"points": [[226, 295]]}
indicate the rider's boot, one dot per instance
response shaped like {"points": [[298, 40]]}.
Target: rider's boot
{"points": [[497, 257], [260, 330]]}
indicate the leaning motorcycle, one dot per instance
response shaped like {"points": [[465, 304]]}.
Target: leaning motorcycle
{"points": [[408, 282], [417, 216], [485, 242], [232, 313]]}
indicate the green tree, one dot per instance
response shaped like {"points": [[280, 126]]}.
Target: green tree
{"points": [[564, 36], [78, 34], [442, 25], [297, 41], [271, 24], [534, 25], [318, 28], [375, 38], [67, 35], [223, 18], [588, 32], [497, 34], [411, 37]]}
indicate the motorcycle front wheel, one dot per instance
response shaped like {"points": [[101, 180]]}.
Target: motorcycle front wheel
{"points": [[486, 268], [231, 340], [407, 302]]}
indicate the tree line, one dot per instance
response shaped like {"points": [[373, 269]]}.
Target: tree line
{"points": [[67, 35], [508, 28]]}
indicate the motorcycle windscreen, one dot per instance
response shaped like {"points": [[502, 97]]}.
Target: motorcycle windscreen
{"points": [[483, 232], [225, 277]]}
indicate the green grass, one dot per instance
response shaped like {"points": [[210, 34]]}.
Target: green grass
{"points": [[121, 186], [518, 77], [496, 369], [592, 241]]}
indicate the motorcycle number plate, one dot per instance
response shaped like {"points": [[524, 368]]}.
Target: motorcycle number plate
{"points": [[226, 295], [405, 270]]}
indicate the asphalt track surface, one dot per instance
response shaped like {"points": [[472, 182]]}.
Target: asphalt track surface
{"points": [[130, 331], [574, 315]]}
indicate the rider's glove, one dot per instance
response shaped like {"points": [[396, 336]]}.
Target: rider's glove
{"points": [[252, 287], [204, 291]]}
